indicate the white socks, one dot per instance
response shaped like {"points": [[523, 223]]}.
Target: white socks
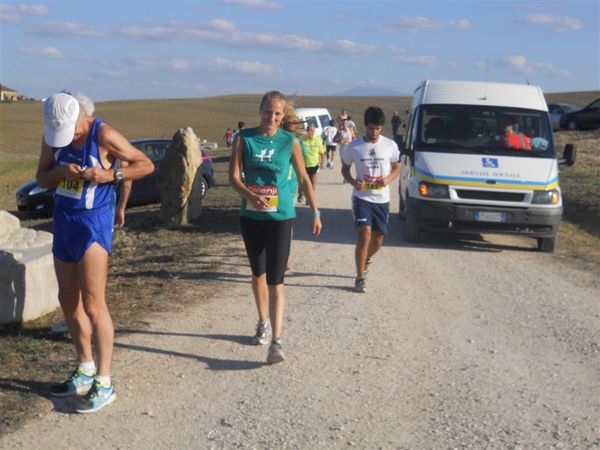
{"points": [[88, 367]]}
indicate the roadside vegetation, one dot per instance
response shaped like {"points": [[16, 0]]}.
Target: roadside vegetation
{"points": [[149, 260]]}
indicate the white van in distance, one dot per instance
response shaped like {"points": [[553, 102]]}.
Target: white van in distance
{"points": [[319, 117], [479, 157]]}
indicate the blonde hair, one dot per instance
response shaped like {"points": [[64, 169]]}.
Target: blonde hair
{"points": [[291, 122], [270, 96]]}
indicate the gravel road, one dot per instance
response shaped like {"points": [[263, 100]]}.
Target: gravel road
{"points": [[458, 343]]}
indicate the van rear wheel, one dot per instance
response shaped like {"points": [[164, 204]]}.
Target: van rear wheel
{"points": [[546, 245], [412, 232]]}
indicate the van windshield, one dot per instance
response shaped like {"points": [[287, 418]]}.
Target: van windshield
{"points": [[485, 129]]}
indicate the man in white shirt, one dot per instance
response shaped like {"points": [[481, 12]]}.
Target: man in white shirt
{"points": [[329, 134], [377, 164]]}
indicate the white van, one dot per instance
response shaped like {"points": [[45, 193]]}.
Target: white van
{"points": [[319, 117], [479, 157]]}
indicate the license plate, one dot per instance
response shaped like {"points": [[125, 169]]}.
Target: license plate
{"points": [[490, 216]]}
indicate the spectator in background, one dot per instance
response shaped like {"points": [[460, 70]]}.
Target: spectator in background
{"points": [[228, 137], [352, 126], [343, 115], [329, 134], [240, 127], [78, 157], [396, 122]]}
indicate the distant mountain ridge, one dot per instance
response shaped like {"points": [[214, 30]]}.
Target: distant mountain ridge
{"points": [[364, 91]]}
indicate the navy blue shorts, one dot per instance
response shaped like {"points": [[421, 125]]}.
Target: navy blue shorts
{"points": [[76, 231], [369, 214]]}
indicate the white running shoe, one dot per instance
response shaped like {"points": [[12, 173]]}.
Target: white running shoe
{"points": [[263, 333]]}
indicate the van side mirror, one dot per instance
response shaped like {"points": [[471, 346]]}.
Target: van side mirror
{"points": [[569, 155]]}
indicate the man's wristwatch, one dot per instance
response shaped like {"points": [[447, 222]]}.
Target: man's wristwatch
{"points": [[118, 176]]}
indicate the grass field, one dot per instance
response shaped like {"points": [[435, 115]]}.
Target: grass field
{"points": [[149, 260]]}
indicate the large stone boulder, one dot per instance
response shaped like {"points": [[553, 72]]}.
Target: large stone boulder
{"points": [[28, 286], [179, 179]]}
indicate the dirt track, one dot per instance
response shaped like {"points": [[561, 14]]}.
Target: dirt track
{"points": [[479, 343]]}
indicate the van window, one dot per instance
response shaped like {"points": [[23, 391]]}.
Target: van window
{"points": [[447, 128], [324, 120], [310, 120]]}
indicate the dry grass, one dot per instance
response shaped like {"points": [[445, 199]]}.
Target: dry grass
{"points": [[149, 260]]}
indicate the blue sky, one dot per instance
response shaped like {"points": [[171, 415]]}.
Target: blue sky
{"points": [[181, 49]]}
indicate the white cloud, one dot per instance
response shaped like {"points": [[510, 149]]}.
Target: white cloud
{"points": [[520, 64], [348, 46], [551, 70], [48, 52], [420, 23], [222, 24], [516, 62], [34, 10], [68, 29], [462, 24], [147, 33], [15, 14], [223, 32], [555, 23], [265, 5], [219, 64], [423, 60]]}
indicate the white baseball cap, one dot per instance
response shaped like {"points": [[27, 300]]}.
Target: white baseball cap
{"points": [[60, 116]]}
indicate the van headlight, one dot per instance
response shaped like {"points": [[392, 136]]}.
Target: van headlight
{"points": [[546, 197], [433, 190]]}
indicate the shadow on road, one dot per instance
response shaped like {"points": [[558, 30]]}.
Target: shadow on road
{"points": [[40, 388], [338, 228], [212, 363]]}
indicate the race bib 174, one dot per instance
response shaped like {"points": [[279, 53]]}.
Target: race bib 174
{"points": [[270, 193]]}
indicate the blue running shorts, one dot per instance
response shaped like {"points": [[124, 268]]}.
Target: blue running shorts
{"points": [[76, 231], [374, 215]]}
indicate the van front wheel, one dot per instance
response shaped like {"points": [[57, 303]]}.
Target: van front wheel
{"points": [[546, 244], [412, 233]]}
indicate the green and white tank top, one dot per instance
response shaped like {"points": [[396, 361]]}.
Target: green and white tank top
{"points": [[266, 164]]}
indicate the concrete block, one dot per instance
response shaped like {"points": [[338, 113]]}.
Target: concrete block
{"points": [[28, 286]]}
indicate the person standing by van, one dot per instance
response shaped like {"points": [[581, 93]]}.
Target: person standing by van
{"points": [[263, 154], [329, 134], [396, 122], [376, 159]]}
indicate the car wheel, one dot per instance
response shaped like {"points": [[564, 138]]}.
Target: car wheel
{"points": [[412, 231], [572, 125], [203, 188], [547, 244]]}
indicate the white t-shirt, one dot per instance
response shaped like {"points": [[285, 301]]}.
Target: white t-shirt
{"points": [[329, 133], [372, 161]]}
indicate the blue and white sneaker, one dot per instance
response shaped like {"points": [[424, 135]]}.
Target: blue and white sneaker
{"points": [[97, 398], [78, 383]]}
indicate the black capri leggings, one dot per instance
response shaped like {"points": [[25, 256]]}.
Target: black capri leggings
{"points": [[268, 246]]}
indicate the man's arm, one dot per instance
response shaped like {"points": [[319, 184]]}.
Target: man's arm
{"points": [[124, 191], [119, 148]]}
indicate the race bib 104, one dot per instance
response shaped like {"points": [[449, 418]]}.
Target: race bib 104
{"points": [[270, 193], [70, 188]]}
